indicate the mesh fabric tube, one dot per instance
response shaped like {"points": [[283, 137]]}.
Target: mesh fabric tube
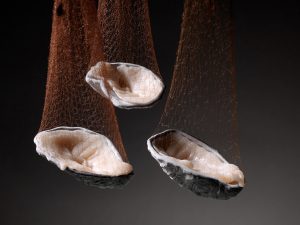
{"points": [[202, 100], [69, 101], [125, 26], [125, 68]]}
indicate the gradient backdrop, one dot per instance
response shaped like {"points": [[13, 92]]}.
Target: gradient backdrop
{"points": [[33, 191]]}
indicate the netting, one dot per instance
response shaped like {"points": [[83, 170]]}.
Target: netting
{"points": [[126, 30], [69, 99], [124, 67], [202, 99]]}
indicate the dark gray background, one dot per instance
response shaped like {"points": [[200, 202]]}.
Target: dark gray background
{"points": [[34, 191]]}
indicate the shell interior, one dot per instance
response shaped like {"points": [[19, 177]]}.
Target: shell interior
{"points": [[194, 157], [81, 150], [125, 85]]}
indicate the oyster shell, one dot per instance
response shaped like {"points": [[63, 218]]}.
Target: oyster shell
{"points": [[90, 156], [195, 165], [125, 85]]}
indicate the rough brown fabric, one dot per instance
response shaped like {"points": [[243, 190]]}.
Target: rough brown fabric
{"points": [[126, 30], [69, 99], [202, 99]]}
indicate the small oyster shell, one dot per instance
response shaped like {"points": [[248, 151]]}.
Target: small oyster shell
{"points": [[195, 165], [90, 156], [125, 85]]}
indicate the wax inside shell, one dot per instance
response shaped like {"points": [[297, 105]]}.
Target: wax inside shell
{"points": [[125, 85], [81, 150], [194, 157]]}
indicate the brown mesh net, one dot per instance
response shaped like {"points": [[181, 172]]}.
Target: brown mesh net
{"points": [[70, 102], [125, 69], [202, 99], [126, 30]]}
